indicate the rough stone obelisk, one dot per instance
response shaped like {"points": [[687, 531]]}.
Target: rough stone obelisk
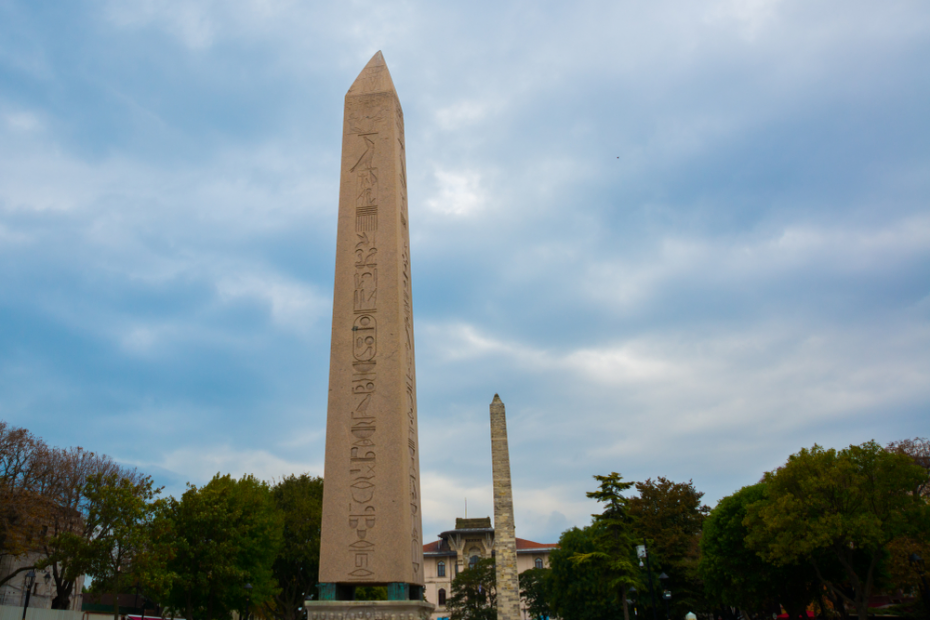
{"points": [[505, 542], [371, 529]]}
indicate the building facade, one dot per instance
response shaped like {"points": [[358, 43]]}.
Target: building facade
{"points": [[457, 549]]}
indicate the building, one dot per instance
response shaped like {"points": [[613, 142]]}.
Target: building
{"points": [[470, 541], [13, 592]]}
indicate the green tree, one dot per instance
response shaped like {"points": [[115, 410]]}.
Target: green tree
{"points": [[615, 538], [474, 593], [534, 590], [122, 513], [296, 569], [581, 590], [848, 505], [226, 536], [669, 516], [736, 576]]}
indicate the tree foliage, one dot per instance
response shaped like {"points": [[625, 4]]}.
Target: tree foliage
{"points": [[669, 516], [474, 593], [535, 592], [296, 569], [734, 575], [579, 589], [848, 504], [226, 535]]}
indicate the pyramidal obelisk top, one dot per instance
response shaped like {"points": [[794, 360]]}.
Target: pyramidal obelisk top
{"points": [[371, 530], [374, 78]]}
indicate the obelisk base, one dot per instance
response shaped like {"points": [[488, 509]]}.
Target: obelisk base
{"points": [[368, 610]]}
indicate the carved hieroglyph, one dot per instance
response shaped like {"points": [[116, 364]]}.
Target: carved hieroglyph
{"points": [[371, 531], [505, 542]]}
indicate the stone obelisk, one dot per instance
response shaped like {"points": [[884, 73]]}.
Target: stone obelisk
{"points": [[371, 529], [505, 542]]}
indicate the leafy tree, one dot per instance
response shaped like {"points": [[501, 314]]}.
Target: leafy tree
{"points": [[849, 504], [120, 553], [735, 576], [72, 532], [474, 593], [226, 536], [297, 567], [669, 516], [24, 465], [615, 537], [581, 590], [534, 590]]}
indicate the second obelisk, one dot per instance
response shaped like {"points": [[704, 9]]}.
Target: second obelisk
{"points": [[371, 530]]}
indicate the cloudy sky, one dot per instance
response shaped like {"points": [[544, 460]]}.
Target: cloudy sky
{"points": [[680, 238]]}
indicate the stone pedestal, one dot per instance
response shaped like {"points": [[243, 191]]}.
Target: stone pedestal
{"points": [[368, 610]]}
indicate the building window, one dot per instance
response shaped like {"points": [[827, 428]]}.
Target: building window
{"points": [[539, 563], [442, 597], [441, 570], [472, 561]]}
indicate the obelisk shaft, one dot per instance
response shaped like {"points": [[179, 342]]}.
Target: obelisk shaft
{"points": [[371, 529], [505, 542]]}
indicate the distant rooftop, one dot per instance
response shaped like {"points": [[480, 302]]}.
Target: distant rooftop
{"points": [[473, 524]]}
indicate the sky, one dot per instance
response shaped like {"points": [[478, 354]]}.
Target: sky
{"points": [[679, 238]]}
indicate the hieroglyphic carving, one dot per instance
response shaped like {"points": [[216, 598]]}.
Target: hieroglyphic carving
{"points": [[363, 452], [415, 535], [366, 273]]}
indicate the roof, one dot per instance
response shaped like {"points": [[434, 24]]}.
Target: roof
{"points": [[523, 546]]}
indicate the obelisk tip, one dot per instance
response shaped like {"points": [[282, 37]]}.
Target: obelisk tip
{"points": [[497, 399], [374, 78]]}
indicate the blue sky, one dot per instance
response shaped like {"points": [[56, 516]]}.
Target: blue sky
{"points": [[679, 238]]}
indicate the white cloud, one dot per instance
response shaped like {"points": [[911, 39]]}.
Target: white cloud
{"points": [[293, 305], [459, 193]]}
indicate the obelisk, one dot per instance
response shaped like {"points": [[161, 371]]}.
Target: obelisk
{"points": [[371, 529], [505, 542]]}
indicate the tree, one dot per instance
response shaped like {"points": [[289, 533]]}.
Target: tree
{"points": [[736, 576], [474, 593], [669, 516], [848, 505], [581, 590], [24, 466], [226, 535], [119, 551], [534, 590], [297, 567], [616, 538]]}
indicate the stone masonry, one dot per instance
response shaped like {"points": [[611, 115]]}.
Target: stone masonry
{"points": [[505, 543], [371, 529]]}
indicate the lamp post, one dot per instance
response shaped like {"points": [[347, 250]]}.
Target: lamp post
{"points": [[248, 601], [29, 582], [642, 553], [662, 579], [667, 595]]}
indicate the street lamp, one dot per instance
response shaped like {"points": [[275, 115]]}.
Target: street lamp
{"points": [[248, 601], [30, 581], [667, 595]]}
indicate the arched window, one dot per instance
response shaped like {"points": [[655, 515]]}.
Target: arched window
{"points": [[472, 561], [441, 570], [538, 562], [442, 596]]}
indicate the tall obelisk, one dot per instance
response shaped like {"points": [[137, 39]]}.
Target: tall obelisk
{"points": [[505, 542], [371, 530]]}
